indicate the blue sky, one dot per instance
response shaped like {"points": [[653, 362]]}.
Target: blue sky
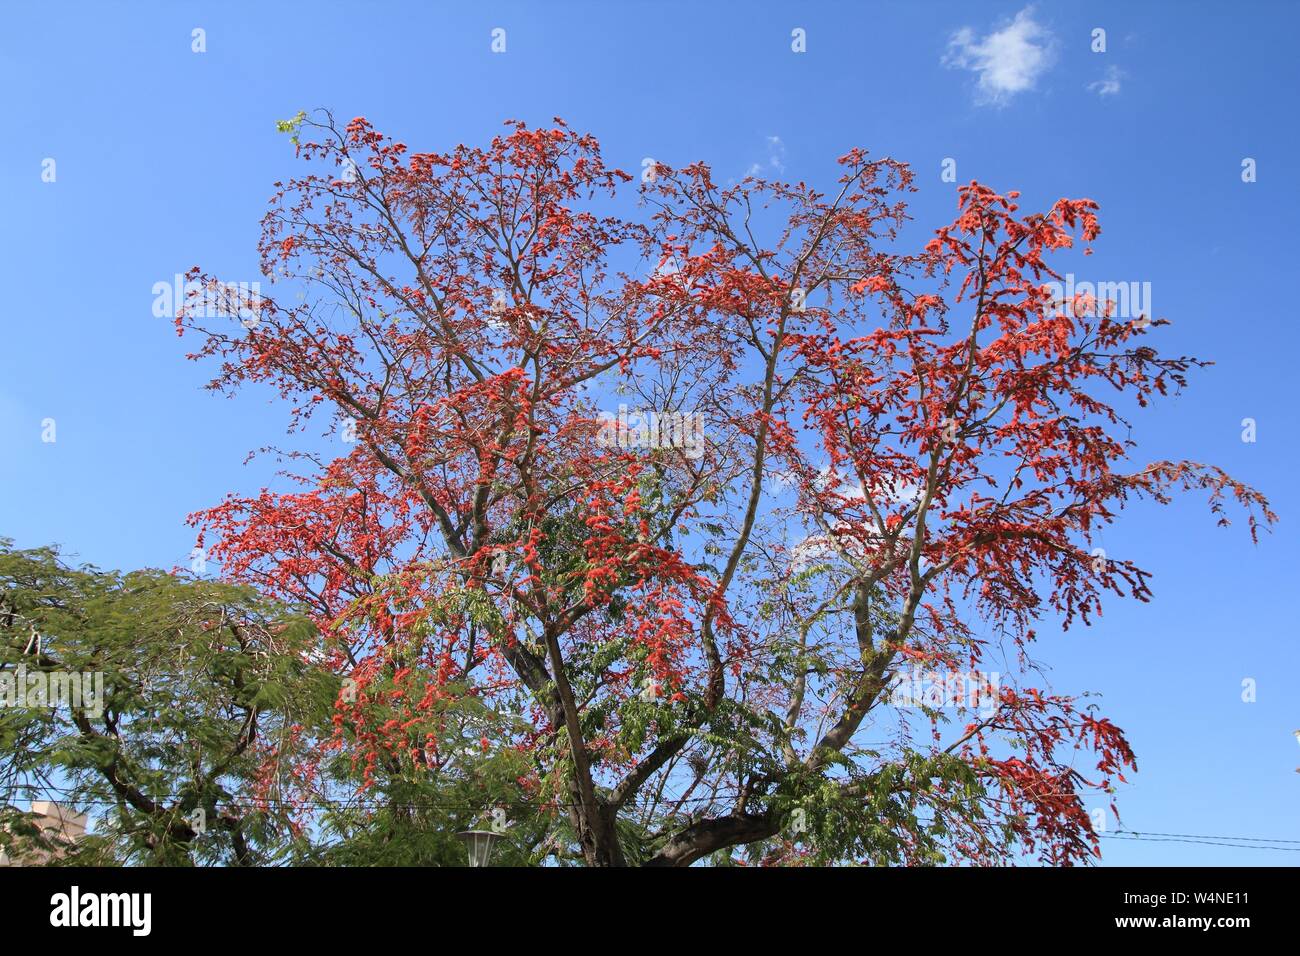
{"points": [[164, 158]]}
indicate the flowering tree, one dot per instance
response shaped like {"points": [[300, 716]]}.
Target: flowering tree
{"points": [[691, 647]]}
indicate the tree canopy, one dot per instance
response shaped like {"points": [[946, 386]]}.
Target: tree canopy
{"points": [[675, 650]]}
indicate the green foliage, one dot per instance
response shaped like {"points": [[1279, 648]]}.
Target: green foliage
{"points": [[292, 125], [198, 680]]}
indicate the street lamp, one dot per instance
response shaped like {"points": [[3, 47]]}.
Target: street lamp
{"points": [[479, 843]]}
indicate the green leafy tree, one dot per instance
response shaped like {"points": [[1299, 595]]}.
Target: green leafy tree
{"points": [[207, 691]]}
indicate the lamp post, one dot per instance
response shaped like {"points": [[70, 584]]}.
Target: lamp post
{"points": [[479, 843]]}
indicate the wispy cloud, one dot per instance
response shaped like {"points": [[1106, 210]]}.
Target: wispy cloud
{"points": [[775, 161], [1109, 84], [1008, 61]]}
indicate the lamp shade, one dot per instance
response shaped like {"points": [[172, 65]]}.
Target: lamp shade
{"points": [[479, 843]]}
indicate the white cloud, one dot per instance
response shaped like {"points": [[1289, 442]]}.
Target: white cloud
{"points": [[776, 153], [775, 162], [1008, 61], [1110, 84]]}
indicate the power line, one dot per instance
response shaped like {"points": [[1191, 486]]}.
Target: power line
{"points": [[1257, 843], [1198, 836]]}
